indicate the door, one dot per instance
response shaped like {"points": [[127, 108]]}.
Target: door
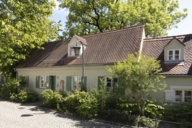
{"points": [[52, 82]]}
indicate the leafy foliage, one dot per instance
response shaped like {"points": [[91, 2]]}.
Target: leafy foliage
{"points": [[51, 98], [24, 25], [145, 122], [140, 76], [83, 103], [101, 95], [179, 112], [14, 91], [11, 87], [93, 16]]}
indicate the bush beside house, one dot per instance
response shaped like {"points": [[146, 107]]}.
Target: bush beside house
{"points": [[14, 90]]}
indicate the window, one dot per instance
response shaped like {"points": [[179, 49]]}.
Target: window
{"points": [[178, 95], [72, 51], [174, 54], [183, 95], [111, 84], [76, 83], [42, 82]]}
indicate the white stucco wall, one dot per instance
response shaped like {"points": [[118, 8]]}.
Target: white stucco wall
{"points": [[91, 72], [173, 83]]}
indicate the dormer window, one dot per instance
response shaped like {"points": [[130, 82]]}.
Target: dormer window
{"points": [[72, 51], [76, 46], [76, 50], [174, 54]]}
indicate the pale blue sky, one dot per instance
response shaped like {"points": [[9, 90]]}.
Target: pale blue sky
{"points": [[184, 27]]}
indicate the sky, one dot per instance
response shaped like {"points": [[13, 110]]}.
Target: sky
{"points": [[184, 27]]}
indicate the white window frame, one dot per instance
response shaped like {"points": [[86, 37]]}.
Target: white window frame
{"points": [[42, 82], [173, 50], [76, 86], [183, 89], [112, 87], [182, 95]]}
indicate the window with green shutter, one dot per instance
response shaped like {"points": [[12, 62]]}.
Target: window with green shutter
{"points": [[68, 83], [37, 81], [41, 82], [113, 84], [84, 86]]}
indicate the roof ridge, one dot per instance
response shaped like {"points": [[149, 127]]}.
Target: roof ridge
{"points": [[166, 37], [112, 31]]}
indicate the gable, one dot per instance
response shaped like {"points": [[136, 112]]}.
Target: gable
{"points": [[76, 42], [172, 46]]}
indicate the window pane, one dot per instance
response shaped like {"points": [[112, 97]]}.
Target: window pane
{"points": [[187, 96], [177, 52], [170, 52], [108, 84], [187, 93], [170, 57], [176, 57], [108, 79], [115, 80], [178, 95]]}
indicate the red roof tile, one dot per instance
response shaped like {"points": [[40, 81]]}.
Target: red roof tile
{"points": [[155, 48], [102, 48]]}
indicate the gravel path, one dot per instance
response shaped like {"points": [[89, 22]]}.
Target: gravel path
{"points": [[15, 115]]}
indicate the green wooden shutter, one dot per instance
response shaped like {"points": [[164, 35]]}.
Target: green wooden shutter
{"points": [[121, 87], [100, 78], [54, 83], [47, 82], [37, 81], [27, 80], [68, 82], [84, 87]]}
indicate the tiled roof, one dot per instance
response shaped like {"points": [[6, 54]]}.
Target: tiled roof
{"points": [[102, 48], [155, 48]]}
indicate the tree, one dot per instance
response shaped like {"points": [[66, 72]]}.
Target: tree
{"points": [[140, 75], [93, 16], [24, 25]]}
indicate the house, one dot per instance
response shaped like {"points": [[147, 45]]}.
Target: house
{"points": [[59, 67], [175, 54]]}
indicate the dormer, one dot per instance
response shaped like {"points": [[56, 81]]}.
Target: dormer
{"points": [[76, 46], [174, 51]]}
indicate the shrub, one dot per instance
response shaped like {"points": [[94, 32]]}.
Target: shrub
{"points": [[179, 112], [32, 96], [101, 95], [51, 98], [24, 96], [84, 103], [122, 117], [11, 87], [145, 122], [152, 109]]}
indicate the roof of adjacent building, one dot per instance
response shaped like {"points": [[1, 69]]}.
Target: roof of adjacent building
{"points": [[154, 47], [102, 48], [110, 47]]}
